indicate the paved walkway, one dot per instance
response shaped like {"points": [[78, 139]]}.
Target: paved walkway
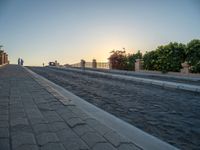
{"points": [[33, 117]]}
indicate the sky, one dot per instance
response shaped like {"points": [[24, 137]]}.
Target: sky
{"points": [[40, 31]]}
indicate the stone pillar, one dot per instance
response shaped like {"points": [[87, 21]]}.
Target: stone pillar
{"points": [[94, 63], [185, 69], [138, 65], [6, 58], [82, 64], [1, 58]]}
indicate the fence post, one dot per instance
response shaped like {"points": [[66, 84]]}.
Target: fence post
{"points": [[185, 69], [138, 65], [82, 64], [94, 63]]}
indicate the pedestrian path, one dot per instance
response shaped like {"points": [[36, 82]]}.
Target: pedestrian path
{"points": [[34, 116]]}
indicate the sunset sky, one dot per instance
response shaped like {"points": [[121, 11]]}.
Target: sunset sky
{"points": [[69, 30]]}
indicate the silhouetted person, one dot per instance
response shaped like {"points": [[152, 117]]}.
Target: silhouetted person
{"points": [[19, 61], [22, 62]]}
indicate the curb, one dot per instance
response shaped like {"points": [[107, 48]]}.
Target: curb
{"points": [[165, 84]]}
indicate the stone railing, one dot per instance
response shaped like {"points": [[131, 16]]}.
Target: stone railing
{"points": [[93, 64], [138, 68], [185, 71]]}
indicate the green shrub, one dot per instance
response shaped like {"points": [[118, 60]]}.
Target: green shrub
{"points": [[193, 55]]}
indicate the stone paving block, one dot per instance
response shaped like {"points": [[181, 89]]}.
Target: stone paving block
{"points": [[3, 107], [4, 117], [57, 126], [39, 100], [75, 144], [33, 112], [82, 129], [19, 121], [4, 124], [17, 115], [74, 122], [3, 112], [128, 147], [52, 116], [44, 107], [67, 102], [56, 106], [3, 104], [103, 146], [91, 138], [81, 114], [115, 139], [21, 128], [102, 129], [53, 146], [16, 108], [63, 111], [30, 105], [51, 100], [68, 115], [37, 120], [41, 128], [4, 132], [66, 134], [48, 96], [47, 137], [27, 147], [20, 139], [4, 144]]}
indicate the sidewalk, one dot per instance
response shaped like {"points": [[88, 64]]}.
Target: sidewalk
{"points": [[32, 118]]}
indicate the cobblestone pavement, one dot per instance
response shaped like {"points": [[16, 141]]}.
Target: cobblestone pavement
{"points": [[32, 117], [171, 115]]}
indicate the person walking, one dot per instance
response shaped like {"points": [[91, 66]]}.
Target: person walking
{"points": [[19, 61], [22, 62]]}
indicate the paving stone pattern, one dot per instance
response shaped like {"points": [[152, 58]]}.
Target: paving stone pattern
{"points": [[35, 117], [169, 114]]}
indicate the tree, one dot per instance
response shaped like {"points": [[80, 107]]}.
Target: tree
{"points": [[150, 60], [131, 59], [120, 60], [193, 55], [117, 59], [170, 57]]}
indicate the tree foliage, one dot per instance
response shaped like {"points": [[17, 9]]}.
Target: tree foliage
{"points": [[193, 55], [150, 60], [165, 58], [122, 61], [118, 59]]}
